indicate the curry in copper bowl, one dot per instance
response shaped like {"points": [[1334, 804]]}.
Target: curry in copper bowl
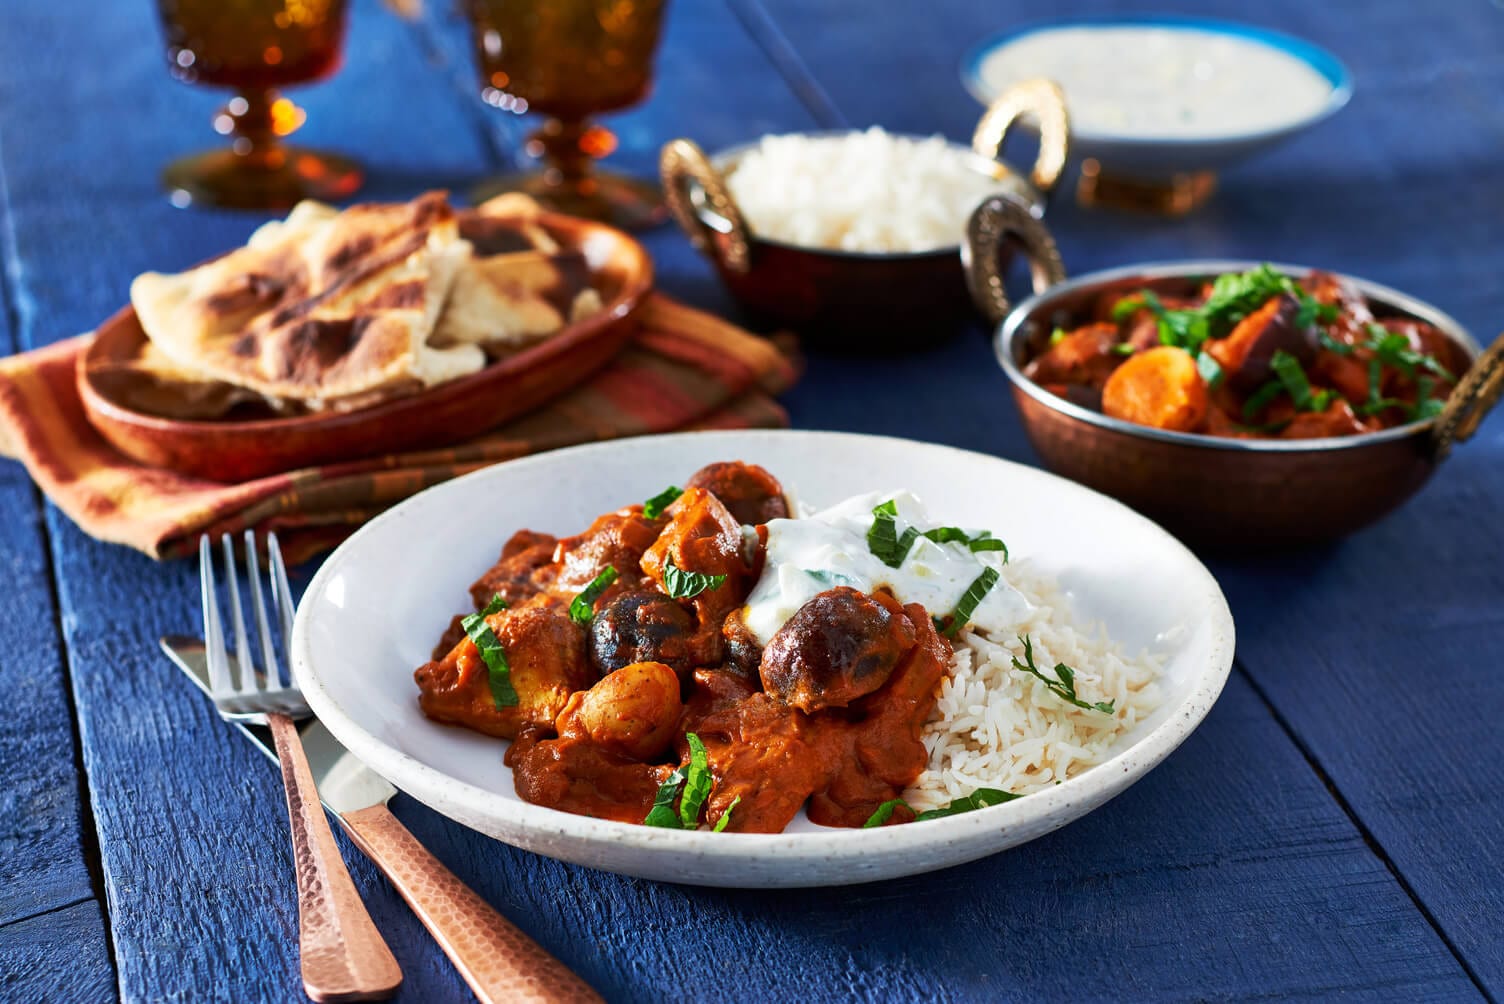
{"points": [[1241, 404]]}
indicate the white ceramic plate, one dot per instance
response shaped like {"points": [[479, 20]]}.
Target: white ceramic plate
{"points": [[376, 607]]}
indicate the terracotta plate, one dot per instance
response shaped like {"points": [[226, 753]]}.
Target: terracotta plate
{"points": [[237, 450]]}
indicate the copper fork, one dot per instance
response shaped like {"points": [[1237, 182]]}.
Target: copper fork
{"points": [[343, 957]]}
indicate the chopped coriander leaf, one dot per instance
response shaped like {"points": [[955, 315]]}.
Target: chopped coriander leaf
{"points": [[1123, 349], [720, 824], [1261, 398], [979, 799], [883, 539], [983, 541], [582, 607], [653, 507], [498, 672], [1063, 685], [884, 812], [970, 600], [682, 585], [663, 814], [1210, 370], [1292, 376], [1332, 345], [1126, 308], [696, 782], [1057, 336], [1393, 349]]}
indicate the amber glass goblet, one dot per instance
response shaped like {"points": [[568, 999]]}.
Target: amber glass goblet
{"points": [[255, 47], [569, 60]]}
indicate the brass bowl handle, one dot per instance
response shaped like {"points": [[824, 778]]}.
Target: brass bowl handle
{"points": [[683, 161], [992, 223], [1042, 99], [1473, 398]]}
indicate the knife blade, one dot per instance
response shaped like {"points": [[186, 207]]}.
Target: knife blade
{"points": [[497, 960]]}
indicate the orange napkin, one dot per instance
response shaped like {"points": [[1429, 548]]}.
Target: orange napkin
{"points": [[685, 370]]}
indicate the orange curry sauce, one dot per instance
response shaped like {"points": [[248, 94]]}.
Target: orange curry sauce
{"points": [[830, 713]]}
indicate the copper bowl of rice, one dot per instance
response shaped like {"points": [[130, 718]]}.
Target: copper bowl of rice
{"points": [[854, 238]]}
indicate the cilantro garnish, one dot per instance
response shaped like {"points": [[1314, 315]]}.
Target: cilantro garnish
{"points": [[682, 585], [1123, 349], [1393, 349], [883, 539], [653, 507], [1292, 377], [499, 673], [979, 799], [696, 783], [720, 824], [1233, 297], [1057, 336], [1210, 370], [582, 607], [695, 778], [663, 814], [967, 604], [1064, 684], [1261, 398]]}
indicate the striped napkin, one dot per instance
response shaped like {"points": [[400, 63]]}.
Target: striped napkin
{"points": [[685, 370]]}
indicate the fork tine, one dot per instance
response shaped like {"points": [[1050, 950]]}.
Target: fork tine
{"points": [[281, 593], [258, 607], [237, 619], [214, 642]]}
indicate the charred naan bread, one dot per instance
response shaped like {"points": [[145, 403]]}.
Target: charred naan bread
{"points": [[506, 301], [325, 309]]}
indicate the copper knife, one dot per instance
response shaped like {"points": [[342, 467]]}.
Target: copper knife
{"points": [[498, 961]]}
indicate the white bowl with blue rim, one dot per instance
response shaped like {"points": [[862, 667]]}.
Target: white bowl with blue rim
{"points": [[1152, 97]]}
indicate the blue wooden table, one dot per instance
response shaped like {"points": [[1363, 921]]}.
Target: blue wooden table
{"points": [[1335, 827]]}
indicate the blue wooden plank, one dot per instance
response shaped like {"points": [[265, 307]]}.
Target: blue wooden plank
{"points": [[41, 817], [1390, 690], [57, 956], [1259, 870]]}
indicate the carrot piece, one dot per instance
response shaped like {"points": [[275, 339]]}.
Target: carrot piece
{"points": [[1160, 388]]}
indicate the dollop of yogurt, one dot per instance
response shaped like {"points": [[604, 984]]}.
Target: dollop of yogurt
{"points": [[807, 556]]}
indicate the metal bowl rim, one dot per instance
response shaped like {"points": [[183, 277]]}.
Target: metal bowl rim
{"points": [[728, 156], [1011, 329]]}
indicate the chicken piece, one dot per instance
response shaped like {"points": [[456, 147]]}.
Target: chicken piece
{"points": [[840, 646], [760, 751], [1347, 374], [1161, 388], [1354, 314], [748, 492], [714, 690], [522, 571], [616, 540], [545, 653], [585, 779], [885, 753], [1084, 356], [1338, 420], [643, 625], [634, 711], [1246, 352], [702, 537]]}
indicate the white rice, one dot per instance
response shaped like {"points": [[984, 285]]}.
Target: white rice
{"points": [[862, 191], [996, 727]]}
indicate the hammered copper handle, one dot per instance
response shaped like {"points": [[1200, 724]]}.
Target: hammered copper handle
{"points": [[1472, 399], [342, 955], [498, 961], [683, 161], [1042, 99], [992, 223]]}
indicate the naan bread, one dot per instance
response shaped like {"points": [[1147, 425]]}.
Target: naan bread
{"points": [[330, 310], [507, 301]]}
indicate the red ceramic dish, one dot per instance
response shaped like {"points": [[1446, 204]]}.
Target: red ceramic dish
{"points": [[239, 450]]}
